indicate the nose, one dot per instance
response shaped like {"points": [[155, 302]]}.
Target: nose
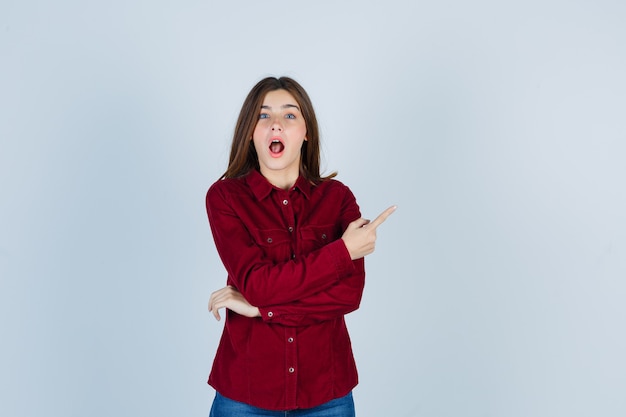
{"points": [[277, 126]]}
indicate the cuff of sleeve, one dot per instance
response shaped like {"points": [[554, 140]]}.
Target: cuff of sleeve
{"points": [[341, 258], [274, 315], [267, 314]]}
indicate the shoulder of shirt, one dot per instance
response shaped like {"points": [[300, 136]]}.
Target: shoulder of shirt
{"points": [[332, 184], [227, 185]]}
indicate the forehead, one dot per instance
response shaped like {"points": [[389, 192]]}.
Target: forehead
{"points": [[279, 98]]}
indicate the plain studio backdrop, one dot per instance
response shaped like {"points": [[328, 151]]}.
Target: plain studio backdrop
{"points": [[498, 287]]}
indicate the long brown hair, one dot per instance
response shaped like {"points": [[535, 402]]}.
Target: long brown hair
{"points": [[243, 156]]}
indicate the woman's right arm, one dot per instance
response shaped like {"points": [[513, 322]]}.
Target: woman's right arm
{"points": [[260, 280], [341, 298]]}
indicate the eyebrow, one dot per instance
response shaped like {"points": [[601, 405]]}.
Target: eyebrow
{"points": [[284, 106]]}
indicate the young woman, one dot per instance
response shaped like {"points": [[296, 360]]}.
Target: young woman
{"points": [[292, 243]]}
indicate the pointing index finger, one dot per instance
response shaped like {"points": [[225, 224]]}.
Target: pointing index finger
{"points": [[382, 217]]}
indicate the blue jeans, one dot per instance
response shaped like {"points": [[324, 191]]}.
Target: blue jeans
{"points": [[224, 407]]}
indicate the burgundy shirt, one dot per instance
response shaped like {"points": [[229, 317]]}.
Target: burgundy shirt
{"points": [[282, 250]]}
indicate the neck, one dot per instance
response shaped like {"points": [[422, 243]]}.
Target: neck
{"points": [[281, 179]]}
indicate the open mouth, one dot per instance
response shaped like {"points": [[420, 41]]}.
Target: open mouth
{"points": [[276, 146]]}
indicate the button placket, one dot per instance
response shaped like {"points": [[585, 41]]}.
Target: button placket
{"points": [[287, 207], [291, 351], [291, 364]]}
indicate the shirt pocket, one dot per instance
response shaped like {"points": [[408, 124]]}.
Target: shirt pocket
{"points": [[275, 243], [314, 237]]}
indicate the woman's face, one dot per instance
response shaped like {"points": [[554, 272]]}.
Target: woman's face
{"points": [[278, 136]]}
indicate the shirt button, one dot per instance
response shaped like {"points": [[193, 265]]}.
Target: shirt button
{"points": [[285, 202], [270, 314], [324, 236], [269, 240], [290, 229], [291, 370], [293, 256], [290, 340]]}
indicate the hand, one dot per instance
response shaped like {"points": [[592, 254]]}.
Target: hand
{"points": [[228, 297], [360, 236]]}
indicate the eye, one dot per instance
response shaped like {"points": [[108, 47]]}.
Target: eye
{"points": [[290, 116], [264, 116]]}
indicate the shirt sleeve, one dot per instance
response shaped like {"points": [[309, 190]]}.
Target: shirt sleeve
{"points": [[261, 281], [340, 299]]}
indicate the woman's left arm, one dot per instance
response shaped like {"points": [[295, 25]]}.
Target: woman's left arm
{"points": [[329, 304], [337, 301]]}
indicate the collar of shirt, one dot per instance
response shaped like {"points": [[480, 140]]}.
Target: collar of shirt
{"points": [[261, 187]]}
